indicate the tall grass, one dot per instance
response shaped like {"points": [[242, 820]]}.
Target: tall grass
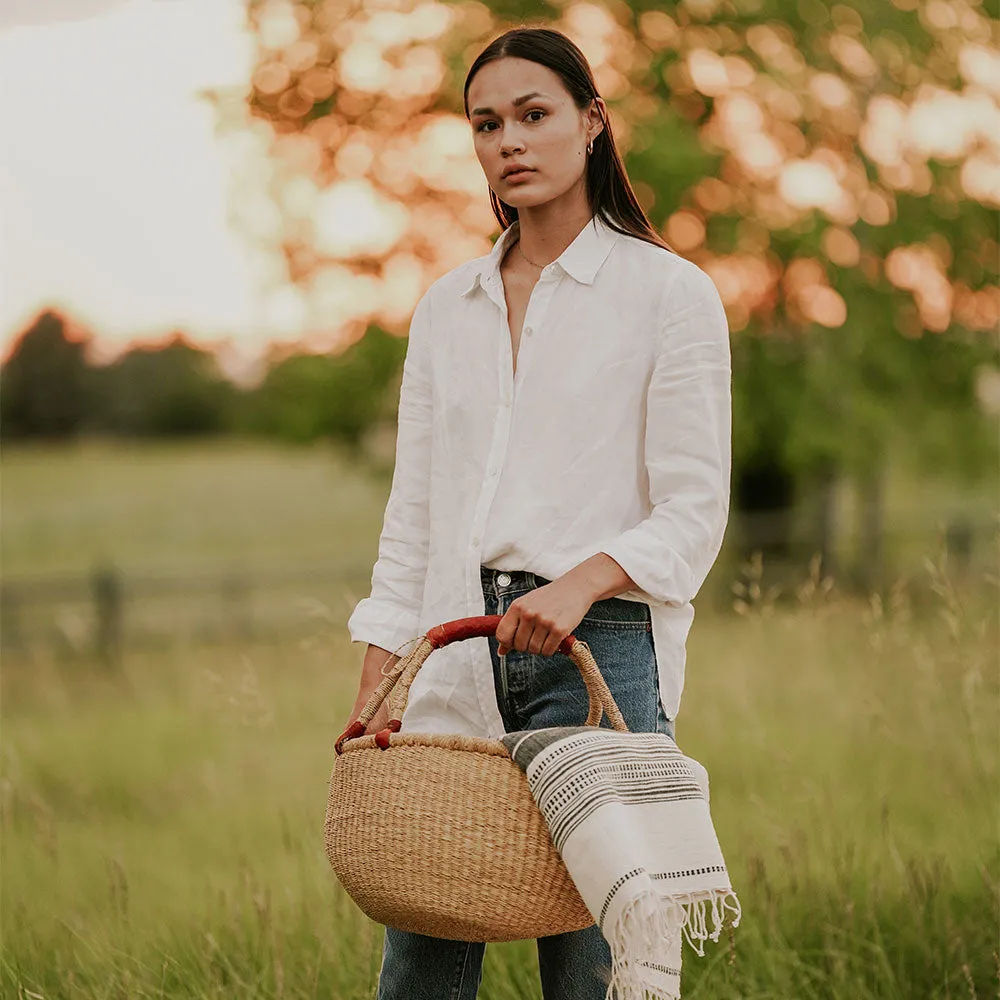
{"points": [[162, 827]]}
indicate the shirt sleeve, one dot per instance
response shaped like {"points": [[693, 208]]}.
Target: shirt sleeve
{"points": [[687, 447], [390, 615]]}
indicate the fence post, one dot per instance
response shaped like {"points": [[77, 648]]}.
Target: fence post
{"points": [[824, 541], [958, 540], [106, 586], [871, 536]]}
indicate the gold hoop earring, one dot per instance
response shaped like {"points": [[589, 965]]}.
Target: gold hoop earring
{"points": [[590, 146]]}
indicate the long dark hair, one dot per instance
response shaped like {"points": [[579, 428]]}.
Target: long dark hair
{"points": [[608, 189]]}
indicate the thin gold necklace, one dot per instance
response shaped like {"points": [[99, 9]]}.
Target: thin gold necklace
{"points": [[531, 262]]}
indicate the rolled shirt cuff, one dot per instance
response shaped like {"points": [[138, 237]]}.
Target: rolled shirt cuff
{"points": [[384, 625], [665, 579]]}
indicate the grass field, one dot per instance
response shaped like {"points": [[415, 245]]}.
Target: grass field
{"points": [[181, 506], [162, 829]]}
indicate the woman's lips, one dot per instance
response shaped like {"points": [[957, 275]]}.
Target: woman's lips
{"points": [[518, 175]]}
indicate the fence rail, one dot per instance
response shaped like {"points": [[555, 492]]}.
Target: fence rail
{"points": [[103, 611]]}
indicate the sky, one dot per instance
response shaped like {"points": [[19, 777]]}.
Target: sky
{"points": [[115, 191]]}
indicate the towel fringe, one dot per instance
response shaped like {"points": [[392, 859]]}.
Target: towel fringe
{"points": [[648, 927]]}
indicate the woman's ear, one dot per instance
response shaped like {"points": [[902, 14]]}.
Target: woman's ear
{"points": [[597, 114]]}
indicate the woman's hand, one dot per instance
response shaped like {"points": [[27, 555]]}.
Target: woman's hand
{"points": [[376, 661], [380, 719], [538, 621]]}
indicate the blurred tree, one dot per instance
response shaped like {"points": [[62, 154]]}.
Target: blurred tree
{"points": [[338, 397], [174, 389], [834, 168], [44, 382]]}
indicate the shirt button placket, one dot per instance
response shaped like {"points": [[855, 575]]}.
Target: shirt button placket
{"points": [[488, 488], [537, 304], [489, 485]]}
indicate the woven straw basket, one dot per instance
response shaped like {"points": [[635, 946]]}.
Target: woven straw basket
{"points": [[439, 834]]}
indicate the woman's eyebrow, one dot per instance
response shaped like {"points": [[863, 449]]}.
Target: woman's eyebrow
{"points": [[517, 102]]}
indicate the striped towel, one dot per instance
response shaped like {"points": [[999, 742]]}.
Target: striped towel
{"points": [[628, 813]]}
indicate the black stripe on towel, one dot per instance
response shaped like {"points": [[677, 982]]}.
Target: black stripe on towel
{"points": [[592, 767]]}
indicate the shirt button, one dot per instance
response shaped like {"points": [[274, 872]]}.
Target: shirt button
{"points": [[504, 580], [527, 331], [475, 542], [494, 471]]}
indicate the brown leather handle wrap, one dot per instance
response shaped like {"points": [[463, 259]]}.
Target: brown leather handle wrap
{"points": [[480, 627]]}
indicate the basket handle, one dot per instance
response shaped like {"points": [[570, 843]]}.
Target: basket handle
{"points": [[398, 681]]}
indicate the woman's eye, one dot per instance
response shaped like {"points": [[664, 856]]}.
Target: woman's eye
{"points": [[488, 126]]}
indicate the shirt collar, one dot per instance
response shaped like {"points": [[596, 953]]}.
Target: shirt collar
{"points": [[581, 260]]}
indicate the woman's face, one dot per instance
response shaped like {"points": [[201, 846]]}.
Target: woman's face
{"points": [[523, 116]]}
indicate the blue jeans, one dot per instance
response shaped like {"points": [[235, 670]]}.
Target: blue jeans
{"points": [[534, 692]]}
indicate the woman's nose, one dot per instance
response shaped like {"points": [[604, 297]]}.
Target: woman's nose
{"points": [[511, 142]]}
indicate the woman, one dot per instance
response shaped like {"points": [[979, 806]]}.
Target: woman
{"points": [[562, 460]]}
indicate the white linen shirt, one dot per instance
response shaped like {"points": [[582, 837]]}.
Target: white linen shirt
{"points": [[614, 437]]}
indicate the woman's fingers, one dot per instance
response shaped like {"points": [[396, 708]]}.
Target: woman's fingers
{"points": [[529, 636], [507, 630], [513, 632], [538, 621], [551, 646], [525, 631], [528, 631]]}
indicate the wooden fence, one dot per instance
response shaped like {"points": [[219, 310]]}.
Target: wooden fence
{"points": [[99, 613]]}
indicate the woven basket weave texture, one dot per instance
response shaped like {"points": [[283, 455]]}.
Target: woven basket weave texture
{"points": [[439, 834]]}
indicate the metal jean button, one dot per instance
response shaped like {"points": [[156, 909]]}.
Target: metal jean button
{"points": [[504, 580]]}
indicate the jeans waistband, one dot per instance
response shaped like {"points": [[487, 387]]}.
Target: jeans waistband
{"points": [[501, 580]]}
